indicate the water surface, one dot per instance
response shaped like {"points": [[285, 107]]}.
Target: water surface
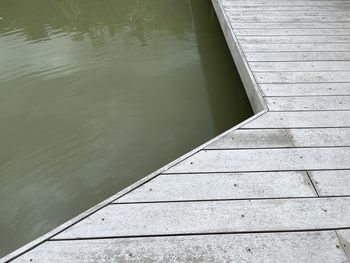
{"points": [[94, 95]]}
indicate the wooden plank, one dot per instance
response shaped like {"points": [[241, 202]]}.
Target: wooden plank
{"points": [[311, 247], [297, 56], [253, 139], [304, 7], [274, 138], [301, 77], [300, 66], [344, 236], [286, 13], [297, 25], [255, 160], [320, 137], [222, 186], [123, 220], [292, 39], [226, 3], [306, 33], [307, 119], [306, 89], [296, 47], [258, 18], [308, 103], [331, 183]]}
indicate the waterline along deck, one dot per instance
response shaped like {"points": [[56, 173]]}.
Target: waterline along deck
{"points": [[275, 188]]}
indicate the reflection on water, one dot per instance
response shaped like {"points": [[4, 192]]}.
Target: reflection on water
{"points": [[96, 94]]}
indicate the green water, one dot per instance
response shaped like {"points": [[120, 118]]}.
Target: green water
{"points": [[96, 94]]}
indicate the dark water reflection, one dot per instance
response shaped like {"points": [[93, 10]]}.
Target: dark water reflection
{"points": [[94, 95]]}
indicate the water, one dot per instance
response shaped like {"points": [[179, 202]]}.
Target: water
{"points": [[94, 95]]}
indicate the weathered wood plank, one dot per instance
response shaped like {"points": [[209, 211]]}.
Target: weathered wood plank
{"points": [[286, 13], [296, 25], [311, 247], [253, 139], [306, 89], [331, 183], [222, 186], [213, 217], [301, 77], [275, 138], [258, 18], [307, 119], [297, 56], [308, 103], [292, 39], [301, 7], [313, 47], [300, 66], [226, 3], [255, 160], [306, 34], [320, 137]]}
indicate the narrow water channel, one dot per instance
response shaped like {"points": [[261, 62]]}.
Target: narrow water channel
{"points": [[94, 95]]}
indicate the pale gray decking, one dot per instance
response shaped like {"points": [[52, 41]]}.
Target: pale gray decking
{"points": [[276, 188]]}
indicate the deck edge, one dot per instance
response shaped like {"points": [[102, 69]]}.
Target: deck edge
{"points": [[250, 84]]}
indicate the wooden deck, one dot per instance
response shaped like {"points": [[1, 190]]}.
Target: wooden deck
{"points": [[276, 188]]}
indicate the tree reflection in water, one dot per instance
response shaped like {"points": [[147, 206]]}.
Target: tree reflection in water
{"points": [[99, 20]]}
